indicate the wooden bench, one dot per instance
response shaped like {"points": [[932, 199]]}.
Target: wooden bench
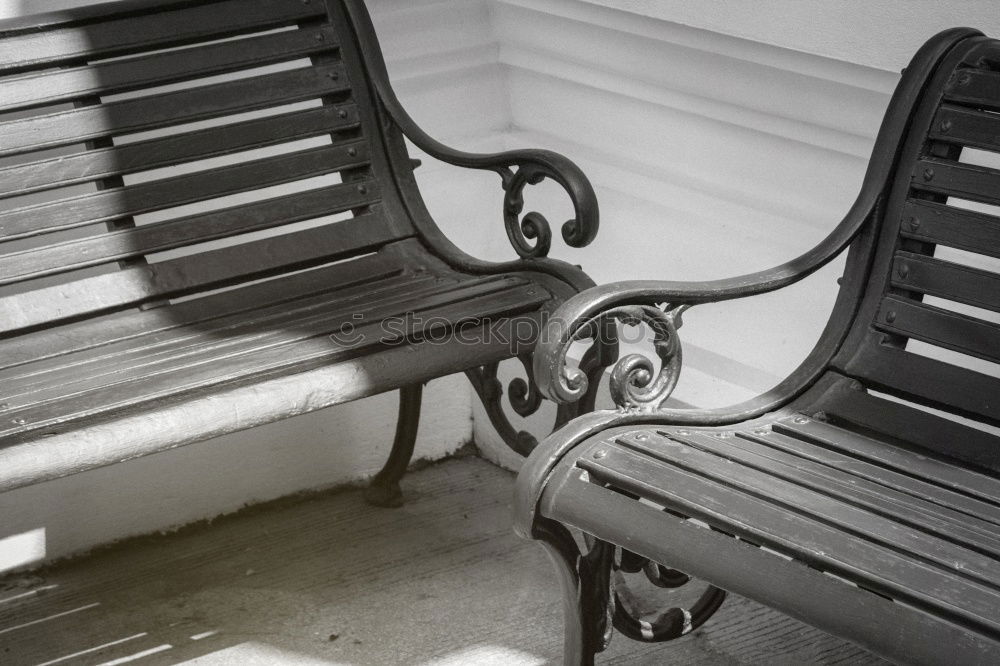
{"points": [[862, 493], [142, 308]]}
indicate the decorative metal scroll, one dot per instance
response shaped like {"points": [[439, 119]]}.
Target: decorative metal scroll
{"points": [[623, 607], [635, 383], [525, 398]]}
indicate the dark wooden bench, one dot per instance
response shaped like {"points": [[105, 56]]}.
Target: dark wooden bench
{"points": [[862, 493], [128, 327]]}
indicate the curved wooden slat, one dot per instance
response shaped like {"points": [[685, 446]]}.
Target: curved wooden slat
{"points": [[172, 108], [122, 202], [95, 38]]}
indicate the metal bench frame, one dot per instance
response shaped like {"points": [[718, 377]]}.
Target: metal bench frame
{"points": [[741, 496]]}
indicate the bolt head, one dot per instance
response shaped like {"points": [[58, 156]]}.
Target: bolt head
{"points": [[20, 420], [642, 437], [342, 113], [600, 454], [914, 223], [945, 126], [761, 431], [928, 174], [362, 189], [683, 432], [352, 152], [903, 270], [800, 420], [890, 316]]}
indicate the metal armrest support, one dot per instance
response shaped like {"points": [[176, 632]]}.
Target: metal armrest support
{"points": [[530, 234]]}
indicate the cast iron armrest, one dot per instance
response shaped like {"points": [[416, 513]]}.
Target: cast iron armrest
{"points": [[530, 235], [660, 304]]}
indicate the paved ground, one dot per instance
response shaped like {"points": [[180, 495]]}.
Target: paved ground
{"points": [[329, 580]]}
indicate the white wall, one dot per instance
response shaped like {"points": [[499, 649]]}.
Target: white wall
{"points": [[722, 137]]}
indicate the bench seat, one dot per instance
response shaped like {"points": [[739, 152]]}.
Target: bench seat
{"points": [[847, 504], [85, 373]]}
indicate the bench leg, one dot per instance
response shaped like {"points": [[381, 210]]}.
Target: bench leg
{"points": [[584, 580], [384, 487]]}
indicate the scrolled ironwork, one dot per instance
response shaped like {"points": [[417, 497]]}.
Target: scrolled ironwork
{"points": [[525, 400], [517, 168], [635, 383]]}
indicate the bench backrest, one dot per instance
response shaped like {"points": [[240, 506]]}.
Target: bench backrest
{"points": [[259, 107], [928, 329]]}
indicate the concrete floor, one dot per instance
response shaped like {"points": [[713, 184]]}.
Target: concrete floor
{"points": [[327, 579]]}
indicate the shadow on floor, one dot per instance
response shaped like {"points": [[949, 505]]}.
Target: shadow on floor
{"points": [[330, 580]]}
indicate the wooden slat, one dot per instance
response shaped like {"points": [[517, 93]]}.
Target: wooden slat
{"points": [[894, 420], [147, 239], [171, 150], [826, 508], [175, 330], [138, 359], [117, 36], [754, 517], [141, 355], [296, 356], [898, 481], [963, 229], [50, 345], [922, 379], [51, 86], [740, 567], [837, 482], [955, 282], [966, 127], [976, 88], [111, 204], [207, 270], [940, 327], [967, 181], [171, 108], [941, 472]]}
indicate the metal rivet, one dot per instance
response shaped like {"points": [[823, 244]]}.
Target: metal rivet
{"points": [[928, 174], [914, 223], [531, 292], [600, 454], [333, 76], [890, 316], [362, 189], [4, 405], [683, 432], [964, 78], [20, 420], [342, 113], [761, 431], [945, 125], [352, 152], [320, 37], [903, 270], [642, 437], [800, 420]]}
